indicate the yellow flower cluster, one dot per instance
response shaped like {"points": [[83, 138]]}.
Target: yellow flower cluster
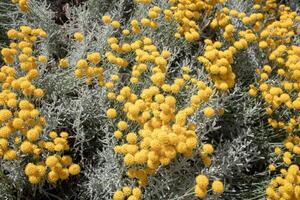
{"points": [[88, 68], [21, 129], [201, 186], [205, 152], [63, 63], [202, 183], [130, 193], [153, 130], [275, 42], [161, 128], [164, 130], [274, 39], [188, 15], [23, 4], [61, 167], [286, 185], [218, 64], [79, 37]]}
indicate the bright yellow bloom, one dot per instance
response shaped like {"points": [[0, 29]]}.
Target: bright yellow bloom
{"points": [[218, 187]]}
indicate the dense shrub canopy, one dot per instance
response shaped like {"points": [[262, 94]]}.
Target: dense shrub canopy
{"points": [[150, 99]]}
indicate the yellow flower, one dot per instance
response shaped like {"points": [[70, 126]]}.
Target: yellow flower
{"points": [[131, 197], [5, 131], [209, 112], [3, 144], [199, 192], [78, 36], [128, 159], [53, 135], [122, 125], [32, 134], [64, 135], [125, 32], [39, 93], [34, 180], [118, 195], [31, 169], [115, 24], [293, 169], [218, 187], [10, 154], [51, 161], [64, 174], [289, 146], [181, 147], [208, 148], [43, 59], [137, 192], [94, 58], [296, 104], [202, 181], [12, 33], [53, 176], [26, 147], [126, 190], [152, 14], [106, 19], [272, 167], [74, 169], [252, 92], [66, 160], [145, 22], [126, 47], [206, 161], [82, 64], [263, 44], [111, 113], [5, 115], [63, 63], [131, 138]]}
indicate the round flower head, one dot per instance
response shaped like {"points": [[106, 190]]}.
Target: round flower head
{"points": [[106, 19], [202, 181], [63, 63], [39, 93], [131, 138], [31, 169], [132, 197], [137, 192], [208, 148], [94, 57], [209, 112], [51, 161], [5, 115], [53, 176], [199, 192], [115, 24], [10, 155], [218, 187], [74, 169], [122, 125], [126, 190], [34, 180], [78, 36], [118, 195], [111, 113], [272, 167]]}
